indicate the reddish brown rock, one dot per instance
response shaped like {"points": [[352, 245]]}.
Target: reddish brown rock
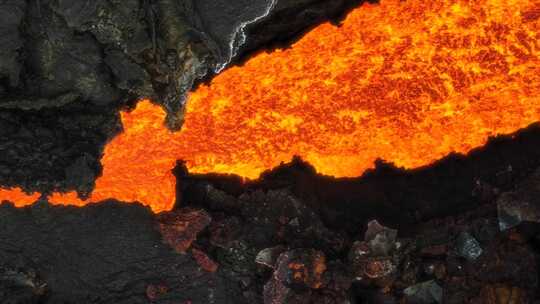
{"points": [[154, 292], [179, 228], [501, 294], [366, 266], [378, 268], [204, 260]]}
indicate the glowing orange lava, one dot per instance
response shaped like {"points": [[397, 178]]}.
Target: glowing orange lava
{"points": [[405, 81], [17, 195]]}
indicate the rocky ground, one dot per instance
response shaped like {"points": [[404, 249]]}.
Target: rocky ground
{"points": [[295, 237]]}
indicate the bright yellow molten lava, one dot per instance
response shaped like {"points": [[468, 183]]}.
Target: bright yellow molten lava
{"points": [[405, 81]]}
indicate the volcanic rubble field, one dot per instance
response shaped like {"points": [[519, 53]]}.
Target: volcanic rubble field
{"points": [[463, 230]]}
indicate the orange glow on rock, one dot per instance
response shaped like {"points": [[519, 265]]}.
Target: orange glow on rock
{"points": [[404, 81], [17, 196]]}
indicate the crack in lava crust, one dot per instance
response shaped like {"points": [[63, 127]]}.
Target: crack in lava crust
{"points": [[405, 81]]}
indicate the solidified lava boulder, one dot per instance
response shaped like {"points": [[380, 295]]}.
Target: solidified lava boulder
{"points": [[179, 228], [66, 67], [521, 205], [290, 18]]}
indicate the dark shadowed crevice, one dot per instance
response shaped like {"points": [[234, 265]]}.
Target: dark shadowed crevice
{"points": [[399, 197]]}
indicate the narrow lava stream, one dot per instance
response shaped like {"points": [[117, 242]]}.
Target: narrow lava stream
{"points": [[405, 81]]}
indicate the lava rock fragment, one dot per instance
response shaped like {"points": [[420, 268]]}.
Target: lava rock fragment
{"points": [[204, 260], [521, 205], [181, 227], [381, 240], [424, 293], [468, 247], [269, 256], [373, 258], [297, 274]]}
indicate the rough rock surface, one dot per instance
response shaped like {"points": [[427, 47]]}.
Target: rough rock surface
{"points": [[107, 253], [268, 233]]}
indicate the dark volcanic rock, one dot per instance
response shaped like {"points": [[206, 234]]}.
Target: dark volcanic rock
{"points": [[106, 253], [66, 67], [54, 148], [269, 247], [280, 216], [375, 260], [468, 247], [424, 293], [180, 228], [301, 268], [268, 230], [291, 18], [520, 205]]}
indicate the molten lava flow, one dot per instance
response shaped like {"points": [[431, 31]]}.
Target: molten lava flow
{"points": [[17, 195], [405, 81]]}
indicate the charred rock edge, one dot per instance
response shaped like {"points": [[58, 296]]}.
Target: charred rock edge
{"points": [[275, 31], [447, 187]]}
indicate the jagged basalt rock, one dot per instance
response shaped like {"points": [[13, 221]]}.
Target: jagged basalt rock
{"points": [[424, 293], [269, 256], [468, 247]]}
